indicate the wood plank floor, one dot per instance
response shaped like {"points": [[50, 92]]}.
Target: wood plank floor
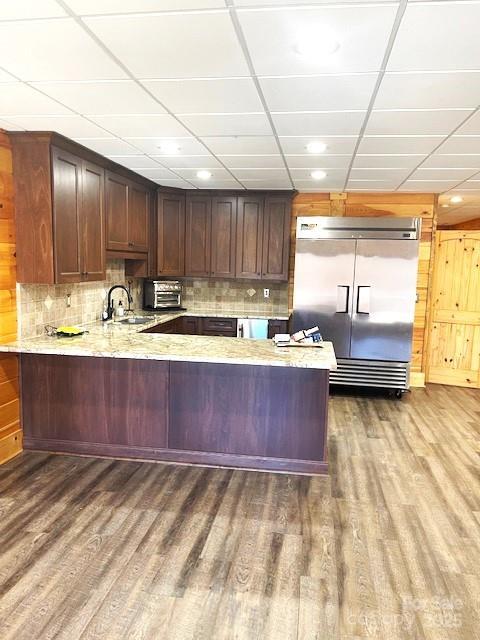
{"points": [[386, 547]]}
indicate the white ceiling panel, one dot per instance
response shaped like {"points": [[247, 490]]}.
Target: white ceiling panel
{"points": [[141, 125], [427, 186], [180, 45], [318, 186], [157, 174], [470, 186], [216, 184], [30, 9], [335, 176], [190, 162], [439, 122], [471, 127], [217, 174], [136, 162], [442, 174], [323, 124], [373, 161], [385, 145], [178, 184], [454, 161], [267, 184], [336, 145], [320, 93], [70, 126], [371, 185], [429, 90], [6, 77], [241, 145], [220, 95], [361, 33], [437, 35], [461, 144], [102, 98], [108, 147], [395, 176], [9, 126], [18, 99], [53, 50], [261, 174], [239, 124], [153, 146], [310, 161], [94, 7], [271, 161]]}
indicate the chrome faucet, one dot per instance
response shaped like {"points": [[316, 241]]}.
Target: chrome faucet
{"points": [[108, 313]]}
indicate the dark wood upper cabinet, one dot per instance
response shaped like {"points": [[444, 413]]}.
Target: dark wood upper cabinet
{"points": [[139, 209], [170, 234], [249, 237], [223, 236], [116, 201], [198, 229], [276, 238], [93, 222]]}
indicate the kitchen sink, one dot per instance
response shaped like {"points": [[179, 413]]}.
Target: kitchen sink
{"points": [[137, 319]]}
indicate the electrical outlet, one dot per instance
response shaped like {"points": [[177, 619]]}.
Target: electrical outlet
{"points": [[68, 300], [266, 293]]}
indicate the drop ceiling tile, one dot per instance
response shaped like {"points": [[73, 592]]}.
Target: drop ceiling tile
{"points": [[108, 147], [102, 98], [214, 95], [385, 145], [461, 144], [427, 186], [53, 50], [93, 7], [271, 161], [284, 3], [248, 145], [273, 37], [319, 124], [391, 175], [264, 175], [176, 45], [415, 122], [372, 161], [271, 185], [135, 162], [471, 127], [240, 124], [30, 9], [335, 144], [334, 176], [178, 184], [157, 174], [132, 126], [19, 99], [468, 186], [437, 35], [371, 185], [456, 175], [9, 126], [319, 93], [442, 161], [70, 126], [217, 174], [152, 146], [190, 162], [216, 184], [318, 185], [311, 161], [428, 90]]}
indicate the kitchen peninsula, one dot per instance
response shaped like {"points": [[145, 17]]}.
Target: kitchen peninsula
{"points": [[118, 391]]}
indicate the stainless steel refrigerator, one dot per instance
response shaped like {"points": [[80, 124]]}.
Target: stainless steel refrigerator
{"points": [[356, 279]]}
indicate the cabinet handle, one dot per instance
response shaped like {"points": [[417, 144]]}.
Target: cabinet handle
{"points": [[130, 244]]}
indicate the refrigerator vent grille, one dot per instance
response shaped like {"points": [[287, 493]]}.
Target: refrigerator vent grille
{"points": [[368, 373]]}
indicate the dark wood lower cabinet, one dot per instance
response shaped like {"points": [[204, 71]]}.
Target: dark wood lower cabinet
{"points": [[277, 326], [222, 414]]}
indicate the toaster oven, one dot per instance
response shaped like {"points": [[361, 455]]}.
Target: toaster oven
{"points": [[162, 294]]}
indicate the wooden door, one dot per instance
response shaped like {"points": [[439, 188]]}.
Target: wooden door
{"points": [[93, 240], [171, 234], [139, 202], [249, 237], [116, 204], [67, 202], [454, 352], [276, 238], [224, 225], [198, 236]]}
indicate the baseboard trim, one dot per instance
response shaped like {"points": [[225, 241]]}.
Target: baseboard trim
{"points": [[417, 379]]}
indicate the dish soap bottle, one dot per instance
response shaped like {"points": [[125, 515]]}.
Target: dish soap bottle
{"points": [[120, 312]]}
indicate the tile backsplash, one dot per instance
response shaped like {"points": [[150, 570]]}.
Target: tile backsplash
{"points": [[40, 304]]}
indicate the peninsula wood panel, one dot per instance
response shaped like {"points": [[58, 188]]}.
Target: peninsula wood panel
{"points": [[454, 354], [423, 205], [10, 432], [468, 225]]}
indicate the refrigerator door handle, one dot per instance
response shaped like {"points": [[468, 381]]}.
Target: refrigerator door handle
{"points": [[343, 298], [363, 299]]}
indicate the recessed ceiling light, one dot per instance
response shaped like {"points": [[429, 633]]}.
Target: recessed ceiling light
{"points": [[204, 175], [318, 175], [316, 147], [169, 148], [316, 44], [456, 199]]}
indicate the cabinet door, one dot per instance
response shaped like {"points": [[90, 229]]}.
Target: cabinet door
{"points": [[276, 238], [171, 235], [277, 326], [67, 203], [249, 237], [116, 192], [93, 240], [198, 236], [139, 203], [224, 225], [191, 326]]}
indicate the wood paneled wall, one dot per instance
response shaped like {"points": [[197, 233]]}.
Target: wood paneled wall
{"points": [[10, 432], [382, 204], [468, 225]]}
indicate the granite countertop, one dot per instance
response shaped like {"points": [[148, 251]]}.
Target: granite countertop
{"points": [[118, 340]]}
